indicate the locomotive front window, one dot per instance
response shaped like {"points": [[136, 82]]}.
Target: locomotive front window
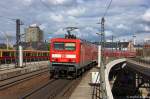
{"points": [[64, 46], [69, 46], [59, 46]]}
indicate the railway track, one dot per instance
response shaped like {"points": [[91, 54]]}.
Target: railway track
{"points": [[48, 90], [54, 89], [67, 91], [51, 89], [21, 78]]}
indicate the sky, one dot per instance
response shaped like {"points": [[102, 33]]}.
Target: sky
{"points": [[124, 18]]}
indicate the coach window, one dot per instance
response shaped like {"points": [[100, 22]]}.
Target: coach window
{"points": [[24, 53], [6, 53], [47, 54], [12, 54], [0, 54]]}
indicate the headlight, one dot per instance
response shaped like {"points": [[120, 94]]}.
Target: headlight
{"points": [[56, 55], [70, 56]]}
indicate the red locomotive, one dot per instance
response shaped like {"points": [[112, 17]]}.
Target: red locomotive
{"points": [[71, 56]]}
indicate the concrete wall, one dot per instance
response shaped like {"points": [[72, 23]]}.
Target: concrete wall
{"points": [[107, 71]]}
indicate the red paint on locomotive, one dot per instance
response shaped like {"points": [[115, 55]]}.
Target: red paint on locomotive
{"points": [[83, 52], [71, 56]]}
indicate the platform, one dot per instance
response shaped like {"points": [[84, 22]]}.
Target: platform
{"points": [[9, 72], [84, 90]]}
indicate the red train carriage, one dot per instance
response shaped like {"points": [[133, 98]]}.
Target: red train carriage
{"points": [[71, 57], [9, 56], [119, 54]]}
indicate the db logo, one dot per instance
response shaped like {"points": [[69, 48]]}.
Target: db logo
{"points": [[63, 55]]}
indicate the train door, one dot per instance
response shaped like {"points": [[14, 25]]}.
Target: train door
{"points": [[82, 54], [0, 54]]}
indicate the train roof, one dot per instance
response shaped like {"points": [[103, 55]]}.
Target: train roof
{"points": [[69, 39], [66, 39], [23, 50]]}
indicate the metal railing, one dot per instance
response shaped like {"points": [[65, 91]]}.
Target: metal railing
{"points": [[96, 89]]}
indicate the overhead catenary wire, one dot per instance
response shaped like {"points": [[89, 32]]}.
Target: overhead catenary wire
{"points": [[13, 19], [44, 4], [105, 13]]}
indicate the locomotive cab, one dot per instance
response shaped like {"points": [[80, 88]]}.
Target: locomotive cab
{"points": [[64, 52], [64, 56]]}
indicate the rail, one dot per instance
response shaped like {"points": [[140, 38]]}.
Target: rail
{"points": [[141, 60], [66, 93], [140, 65], [54, 88], [5, 83]]}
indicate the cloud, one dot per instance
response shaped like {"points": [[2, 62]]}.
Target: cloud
{"points": [[146, 16], [43, 26], [122, 26], [108, 33], [71, 18], [60, 32], [147, 28], [56, 2], [25, 2], [124, 3], [89, 29], [122, 20], [76, 11], [80, 1], [56, 17]]}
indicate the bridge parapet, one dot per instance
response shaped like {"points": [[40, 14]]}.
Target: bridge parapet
{"points": [[139, 64], [107, 71]]}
